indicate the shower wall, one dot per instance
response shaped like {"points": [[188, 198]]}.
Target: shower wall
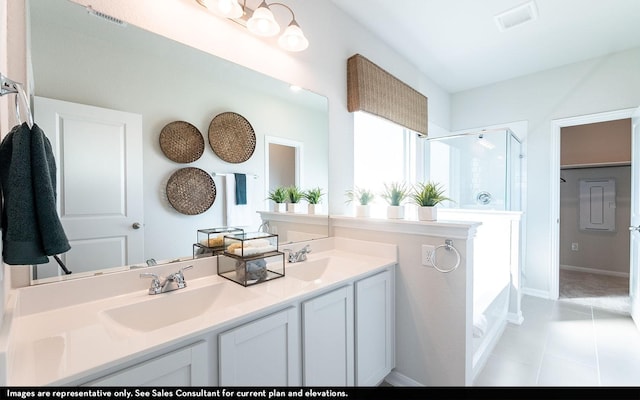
{"points": [[479, 171]]}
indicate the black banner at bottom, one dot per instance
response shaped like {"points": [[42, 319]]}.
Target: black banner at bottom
{"points": [[317, 393]]}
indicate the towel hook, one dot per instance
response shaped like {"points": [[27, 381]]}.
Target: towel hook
{"points": [[9, 86]]}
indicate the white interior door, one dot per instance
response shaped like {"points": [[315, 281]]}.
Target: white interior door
{"points": [[634, 270], [98, 155]]}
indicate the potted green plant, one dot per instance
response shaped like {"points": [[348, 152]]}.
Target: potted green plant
{"points": [[394, 194], [427, 196], [279, 197], [363, 197], [294, 195], [314, 198]]}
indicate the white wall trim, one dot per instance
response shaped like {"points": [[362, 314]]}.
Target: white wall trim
{"points": [[445, 229], [554, 184]]}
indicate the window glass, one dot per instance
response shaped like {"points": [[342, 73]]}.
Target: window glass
{"points": [[384, 152]]}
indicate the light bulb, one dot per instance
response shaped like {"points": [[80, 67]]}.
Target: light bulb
{"points": [[293, 39], [230, 8], [262, 22]]}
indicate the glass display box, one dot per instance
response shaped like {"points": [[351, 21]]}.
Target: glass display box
{"points": [[251, 270], [211, 241]]}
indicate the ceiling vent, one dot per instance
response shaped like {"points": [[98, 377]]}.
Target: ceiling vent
{"points": [[517, 16]]}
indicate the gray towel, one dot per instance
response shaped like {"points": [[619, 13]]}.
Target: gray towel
{"points": [[31, 228]]}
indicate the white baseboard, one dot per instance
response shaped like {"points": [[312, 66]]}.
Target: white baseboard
{"points": [[397, 379], [594, 271]]}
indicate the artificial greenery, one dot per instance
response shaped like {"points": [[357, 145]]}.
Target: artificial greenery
{"points": [[362, 196], [428, 194], [313, 196], [278, 195], [395, 193], [294, 194]]}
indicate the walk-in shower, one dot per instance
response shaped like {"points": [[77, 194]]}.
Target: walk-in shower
{"points": [[480, 170], [482, 173]]}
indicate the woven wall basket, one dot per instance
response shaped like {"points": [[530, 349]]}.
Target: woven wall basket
{"points": [[232, 137], [191, 191], [181, 142]]}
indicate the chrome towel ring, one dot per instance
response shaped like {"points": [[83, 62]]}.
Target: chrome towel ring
{"points": [[448, 246]]}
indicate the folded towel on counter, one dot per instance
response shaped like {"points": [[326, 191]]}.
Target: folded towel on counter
{"points": [[255, 270], [241, 189]]}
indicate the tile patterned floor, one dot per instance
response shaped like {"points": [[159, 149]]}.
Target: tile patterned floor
{"points": [[565, 344]]}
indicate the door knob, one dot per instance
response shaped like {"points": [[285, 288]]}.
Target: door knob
{"points": [[136, 225], [634, 228]]}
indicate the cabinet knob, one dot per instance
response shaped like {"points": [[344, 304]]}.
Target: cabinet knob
{"points": [[136, 225]]}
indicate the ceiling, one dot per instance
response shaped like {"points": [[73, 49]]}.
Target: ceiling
{"points": [[458, 45]]}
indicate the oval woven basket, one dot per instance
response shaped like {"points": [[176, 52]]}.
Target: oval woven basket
{"points": [[191, 190], [181, 142], [232, 137]]}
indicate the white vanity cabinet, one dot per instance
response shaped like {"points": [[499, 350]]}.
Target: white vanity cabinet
{"points": [[374, 328], [327, 339], [263, 352], [343, 337], [348, 334], [183, 367]]}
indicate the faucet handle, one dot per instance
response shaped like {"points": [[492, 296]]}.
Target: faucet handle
{"points": [[155, 283], [178, 277]]}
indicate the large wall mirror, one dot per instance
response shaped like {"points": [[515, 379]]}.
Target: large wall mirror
{"points": [[80, 60]]}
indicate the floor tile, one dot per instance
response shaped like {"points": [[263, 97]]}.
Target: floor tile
{"points": [[559, 371], [500, 371], [565, 344]]}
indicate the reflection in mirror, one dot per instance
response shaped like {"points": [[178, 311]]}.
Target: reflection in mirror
{"points": [[283, 163], [79, 60]]}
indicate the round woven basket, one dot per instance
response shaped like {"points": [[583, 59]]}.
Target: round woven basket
{"points": [[191, 191], [181, 142], [232, 137]]}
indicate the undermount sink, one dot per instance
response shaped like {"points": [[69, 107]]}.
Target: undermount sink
{"points": [[165, 309], [314, 269]]}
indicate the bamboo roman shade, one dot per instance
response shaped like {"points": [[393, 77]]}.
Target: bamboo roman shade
{"points": [[374, 90]]}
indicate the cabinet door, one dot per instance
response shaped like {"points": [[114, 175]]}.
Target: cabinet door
{"points": [[374, 316], [327, 334], [264, 352], [184, 367]]}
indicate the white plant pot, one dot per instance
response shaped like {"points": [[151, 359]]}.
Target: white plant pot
{"points": [[314, 208], [395, 212], [295, 207], [280, 207], [363, 210], [427, 213]]}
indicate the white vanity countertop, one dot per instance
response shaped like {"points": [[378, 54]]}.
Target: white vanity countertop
{"points": [[61, 345]]}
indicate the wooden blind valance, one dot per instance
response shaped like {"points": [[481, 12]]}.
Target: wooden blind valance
{"points": [[374, 90]]}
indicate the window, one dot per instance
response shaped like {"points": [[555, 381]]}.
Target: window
{"points": [[384, 152]]}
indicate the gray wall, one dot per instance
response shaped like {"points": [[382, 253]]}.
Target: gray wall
{"points": [[606, 252]]}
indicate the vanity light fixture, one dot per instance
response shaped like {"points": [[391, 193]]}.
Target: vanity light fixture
{"points": [[261, 21]]}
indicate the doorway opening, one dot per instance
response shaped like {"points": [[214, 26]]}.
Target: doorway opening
{"points": [[283, 160], [595, 206], [591, 205]]}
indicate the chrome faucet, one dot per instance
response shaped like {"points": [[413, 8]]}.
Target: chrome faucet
{"points": [[172, 282], [300, 255]]}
